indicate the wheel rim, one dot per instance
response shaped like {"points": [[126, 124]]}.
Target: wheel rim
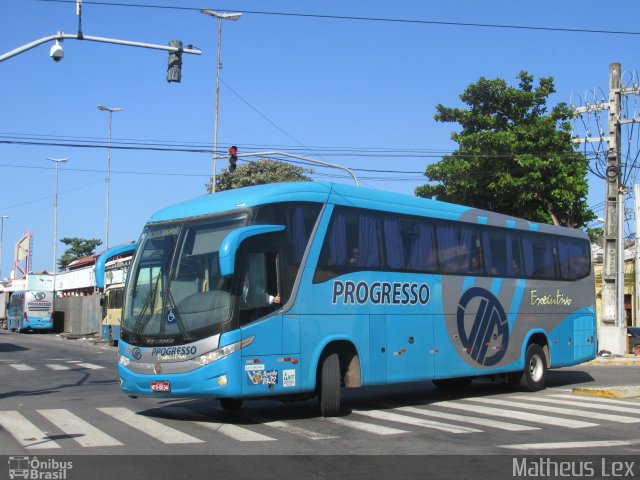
{"points": [[536, 368]]}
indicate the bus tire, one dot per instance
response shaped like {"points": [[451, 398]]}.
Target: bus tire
{"points": [[231, 404], [330, 386], [459, 383], [534, 375]]}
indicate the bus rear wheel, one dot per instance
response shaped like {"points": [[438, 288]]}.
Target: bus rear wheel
{"points": [[534, 375], [330, 386]]}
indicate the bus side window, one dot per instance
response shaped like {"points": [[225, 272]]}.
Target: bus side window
{"points": [[573, 256], [259, 289]]}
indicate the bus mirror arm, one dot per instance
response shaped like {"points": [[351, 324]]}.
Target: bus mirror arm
{"points": [[232, 241]]}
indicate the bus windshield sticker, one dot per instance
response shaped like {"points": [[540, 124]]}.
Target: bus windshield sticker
{"points": [[171, 316]]}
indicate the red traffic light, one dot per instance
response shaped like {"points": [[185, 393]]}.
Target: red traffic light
{"points": [[233, 150]]}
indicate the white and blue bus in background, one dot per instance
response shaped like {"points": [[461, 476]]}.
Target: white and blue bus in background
{"points": [[30, 310], [307, 288]]}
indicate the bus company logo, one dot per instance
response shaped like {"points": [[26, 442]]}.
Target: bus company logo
{"points": [[379, 293], [136, 352], [490, 322], [39, 295]]}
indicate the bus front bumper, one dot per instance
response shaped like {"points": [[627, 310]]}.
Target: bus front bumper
{"points": [[212, 380]]}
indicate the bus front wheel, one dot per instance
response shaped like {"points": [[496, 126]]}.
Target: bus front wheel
{"points": [[534, 375], [330, 386]]}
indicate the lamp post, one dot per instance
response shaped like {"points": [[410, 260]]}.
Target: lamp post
{"points": [[220, 17], [2, 219], [55, 221], [110, 110]]}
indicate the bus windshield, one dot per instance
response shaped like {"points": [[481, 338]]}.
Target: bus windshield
{"points": [[175, 293]]}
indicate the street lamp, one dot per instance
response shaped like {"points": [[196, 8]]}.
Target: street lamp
{"points": [[55, 221], [220, 17], [110, 110], [2, 219]]}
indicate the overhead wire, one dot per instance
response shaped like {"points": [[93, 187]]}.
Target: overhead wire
{"points": [[411, 21]]}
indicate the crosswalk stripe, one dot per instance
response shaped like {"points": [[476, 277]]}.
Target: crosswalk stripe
{"points": [[363, 426], [519, 415], [562, 411], [148, 426], [598, 400], [485, 422], [79, 430], [23, 367], [56, 366], [25, 432], [299, 431], [232, 431], [91, 366], [418, 422], [582, 444], [583, 403]]}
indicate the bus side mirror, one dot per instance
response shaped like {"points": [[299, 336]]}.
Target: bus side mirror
{"points": [[232, 241]]}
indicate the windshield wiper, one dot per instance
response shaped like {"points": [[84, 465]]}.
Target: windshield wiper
{"points": [[142, 319]]}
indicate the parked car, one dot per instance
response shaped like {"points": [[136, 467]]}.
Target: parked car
{"points": [[634, 339]]}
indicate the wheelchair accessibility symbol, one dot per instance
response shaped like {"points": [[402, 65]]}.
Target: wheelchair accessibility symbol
{"points": [[486, 342]]}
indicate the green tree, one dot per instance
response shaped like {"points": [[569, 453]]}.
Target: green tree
{"points": [[260, 172], [513, 156], [77, 248]]}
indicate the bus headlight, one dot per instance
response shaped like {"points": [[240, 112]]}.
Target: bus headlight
{"points": [[219, 353], [124, 361]]}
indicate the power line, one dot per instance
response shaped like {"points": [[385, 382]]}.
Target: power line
{"points": [[361, 19]]}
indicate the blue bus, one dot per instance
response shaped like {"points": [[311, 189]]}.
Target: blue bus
{"points": [[111, 273], [30, 310], [307, 288]]}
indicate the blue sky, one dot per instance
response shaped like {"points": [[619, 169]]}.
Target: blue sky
{"points": [[289, 82]]}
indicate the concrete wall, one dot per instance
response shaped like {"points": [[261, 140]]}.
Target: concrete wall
{"points": [[78, 315]]}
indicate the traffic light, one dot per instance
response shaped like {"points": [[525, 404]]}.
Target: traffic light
{"points": [[174, 70], [233, 158]]}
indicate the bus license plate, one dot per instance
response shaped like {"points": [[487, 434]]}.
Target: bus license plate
{"points": [[163, 386]]}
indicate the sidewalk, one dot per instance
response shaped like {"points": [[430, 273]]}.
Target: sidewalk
{"points": [[626, 359], [622, 391]]}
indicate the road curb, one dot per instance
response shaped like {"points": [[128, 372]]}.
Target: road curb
{"points": [[616, 360], [625, 391]]}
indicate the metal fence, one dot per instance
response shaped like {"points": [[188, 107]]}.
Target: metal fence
{"points": [[78, 315]]}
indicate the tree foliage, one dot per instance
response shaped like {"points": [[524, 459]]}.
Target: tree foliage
{"points": [[513, 156], [260, 172], [77, 248]]}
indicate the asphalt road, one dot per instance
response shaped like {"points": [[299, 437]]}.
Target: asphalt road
{"points": [[61, 397]]}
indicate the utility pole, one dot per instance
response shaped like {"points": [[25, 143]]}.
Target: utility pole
{"points": [[612, 331], [636, 269]]}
